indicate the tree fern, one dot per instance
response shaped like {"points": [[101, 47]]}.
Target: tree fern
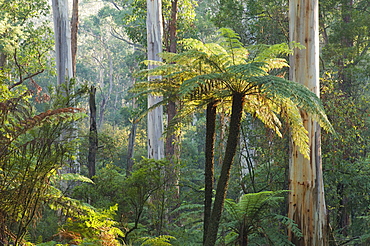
{"points": [[224, 72], [251, 216]]}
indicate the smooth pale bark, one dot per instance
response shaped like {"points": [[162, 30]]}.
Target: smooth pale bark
{"points": [[155, 117], [63, 57], [62, 35], [306, 198]]}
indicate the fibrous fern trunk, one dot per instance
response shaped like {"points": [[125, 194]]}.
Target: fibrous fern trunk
{"points": [[209, 163], [306, 199], [238, 100]]}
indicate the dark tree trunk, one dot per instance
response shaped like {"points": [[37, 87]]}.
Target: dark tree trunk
{"points": [[172, 150], [222, 184], [347, 42], [93, 137], [173, 27], [74, 31], [2, 60], [209, 164], [171, 138]]}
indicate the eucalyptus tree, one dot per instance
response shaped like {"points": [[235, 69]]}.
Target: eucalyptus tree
{"points": [[62, 33], [306, 199], [208, 72], [154, 47]]}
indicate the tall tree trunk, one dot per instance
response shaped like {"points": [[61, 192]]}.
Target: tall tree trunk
{"points": [[223, 181], [62, 35], [74, 31], [306, 197], [93, 136], [155, 117], [171, 138], [209, 163], [172, 148]]}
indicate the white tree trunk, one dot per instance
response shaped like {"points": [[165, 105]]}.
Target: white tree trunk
{"points": [[63, 57], [306, 199], [62, 34], [155, 117]]}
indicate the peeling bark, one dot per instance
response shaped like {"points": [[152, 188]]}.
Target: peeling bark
{"points": [[306, 199]]}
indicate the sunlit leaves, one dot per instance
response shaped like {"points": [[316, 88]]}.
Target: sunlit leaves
{"points": [[215, 71]]}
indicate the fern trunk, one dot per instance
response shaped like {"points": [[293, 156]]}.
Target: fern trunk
{"points": [[306, 199], [209, 164], [222, 184]]}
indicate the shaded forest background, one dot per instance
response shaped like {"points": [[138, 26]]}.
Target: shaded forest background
{"points": [[128, 199]]}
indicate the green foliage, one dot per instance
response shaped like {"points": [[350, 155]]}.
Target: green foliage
{"points": [[25, 39], [163, 240], [94, 226], [31, 152], [346, 159], [215, 71], [251, 216]]}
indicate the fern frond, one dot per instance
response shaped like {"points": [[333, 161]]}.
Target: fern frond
{"points": [[163, 240]]}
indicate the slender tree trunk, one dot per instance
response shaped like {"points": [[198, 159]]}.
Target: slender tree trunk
{"points": [[74, 31], [346, 84], [306, 199], [155, 116], [209, 163], [131, 144], [2, 60], [93, 136], [106, 97], [172, 138], [222, 184]]}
